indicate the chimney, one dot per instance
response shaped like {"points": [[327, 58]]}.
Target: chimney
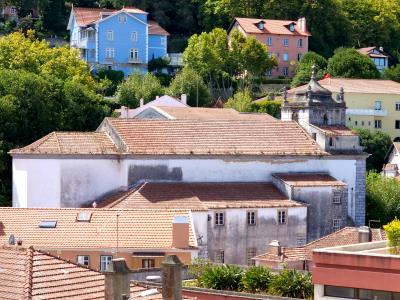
{"points": [[275, 248], [117, 281], [302, 24], [364, 234], [141, 102], [180, 232], [184, 99], [171, 278], [157, 97], [123, 111]]}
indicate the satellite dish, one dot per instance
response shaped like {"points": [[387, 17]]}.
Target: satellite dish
{"points": [[11, 240]]}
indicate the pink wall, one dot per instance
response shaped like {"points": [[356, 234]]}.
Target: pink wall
{"points": [[357, 271]]}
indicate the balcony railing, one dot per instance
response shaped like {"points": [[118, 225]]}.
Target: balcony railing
{"points": [[133, 60]]}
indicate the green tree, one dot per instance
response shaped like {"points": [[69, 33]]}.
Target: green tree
{"points": [[382, 198], [271, 107], [393, 234], [241, 101], [377, 144], [303, 69], [349, 63], [138, 86], [392, 73], [256, 279], [292, 283], [187, 81], [114, 77]]}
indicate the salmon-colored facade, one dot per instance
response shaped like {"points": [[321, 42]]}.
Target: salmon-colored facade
{"points": [[286, 40], [356, 270]]}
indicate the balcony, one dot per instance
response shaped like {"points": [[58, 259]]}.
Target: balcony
{"points": [[133, 60], [366, 112]]}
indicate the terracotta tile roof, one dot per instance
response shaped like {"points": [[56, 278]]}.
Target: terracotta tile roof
{"points": [[308, 179], [137, 229], [85, 16], [336, 130], [270, 26], [361, 86], [71, 143], [342, 237], [203, 113], [156, 29], [368, 51], [202, 196], [31, 274], [225, 137]]}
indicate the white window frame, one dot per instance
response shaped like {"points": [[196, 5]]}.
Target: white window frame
{"points": [[148, 263], [110, 52], [269, 41], [122, 18], [251, 217], [110, 35], [282, 217], [336, 224], [219, 219], [134, 36], [300, 43], [378, 124], [285, 71], [397, 106], [286, 42], [105, 260], [83, 260], [378, 105], [134, 54], [337, 197]]}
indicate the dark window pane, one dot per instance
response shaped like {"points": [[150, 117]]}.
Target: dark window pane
{"points": [[341, 292]]}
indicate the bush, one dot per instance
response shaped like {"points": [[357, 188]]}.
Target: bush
{"points": [[224, 277], [271, 107], [256, 280], [157, 64], [198, 268], [303, 70], [292, 283], [241, 101], [393, 234], [392, 73]]}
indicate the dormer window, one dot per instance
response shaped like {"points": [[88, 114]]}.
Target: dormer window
{"points": [[260, 25], [291, 27]]}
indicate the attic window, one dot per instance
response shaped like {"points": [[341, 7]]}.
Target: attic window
{"points": [[47, 224], [84, 216], [291, 27], [260, 25]]}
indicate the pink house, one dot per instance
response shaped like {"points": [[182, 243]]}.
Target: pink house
{"points": [[286, 40]]}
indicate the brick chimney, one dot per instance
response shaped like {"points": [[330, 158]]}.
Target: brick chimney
{"points": [[141, 102], [275, 248], [302, 24], [171, 278], [184, 99], [117, 281], [364, 234], [180, 232]]}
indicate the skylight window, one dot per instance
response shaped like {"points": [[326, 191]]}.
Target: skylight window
{"points": [[48, 224], [84, 216]]}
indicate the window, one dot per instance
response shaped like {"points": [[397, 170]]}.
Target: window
{"points": [[110, 35], [331, 142], [219, 218], [291, 27], [336, 224], [251, 218], [397, 106], [314, 136], [13, 10], [286, 42], [105, 260], [397, 124], [355, 123], [84, 216], [285, 71], [299, 56], [163, 41], [337, 197], [268, 73], [369, 123], [148, 263], [110, 52], [134, 36], [251, 252], [285, 57], [260, 25], [48, 224], [374, 295], [83, 260], [340, 292], [362, 123], [349, 119], [219, 256], [378, 124], [378, 105], [269, 41], [134, 54], [300, 43], [281, 216], [122, 18]]}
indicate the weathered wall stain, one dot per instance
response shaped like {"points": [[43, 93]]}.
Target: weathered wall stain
{"points": [[153, 173]]}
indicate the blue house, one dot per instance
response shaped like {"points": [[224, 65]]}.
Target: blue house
{"points": [[116, 39]]}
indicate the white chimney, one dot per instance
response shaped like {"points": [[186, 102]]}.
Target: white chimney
{"points": [[141, 102], [157, 97], [275, 248], [302, 24], [184, 99]]}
